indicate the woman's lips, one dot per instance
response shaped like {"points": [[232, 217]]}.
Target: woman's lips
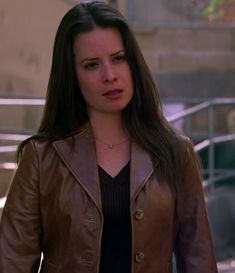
{"points": [[113, 94]]}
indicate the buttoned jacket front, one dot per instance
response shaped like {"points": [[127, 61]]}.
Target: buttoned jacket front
{"points": [[54, 206]]}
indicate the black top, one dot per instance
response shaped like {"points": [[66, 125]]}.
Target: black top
{"points": [[116, 238]]}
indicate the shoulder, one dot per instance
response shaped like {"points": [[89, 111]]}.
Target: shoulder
{"points": [[183, 141], [34, 149], [36, 144], [185, 147], [46, 147]]}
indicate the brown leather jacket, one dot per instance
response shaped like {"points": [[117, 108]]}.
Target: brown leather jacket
{"points": [[54, 207]]}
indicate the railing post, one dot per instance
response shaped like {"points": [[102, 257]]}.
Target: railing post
{"points": [[211, 151]]}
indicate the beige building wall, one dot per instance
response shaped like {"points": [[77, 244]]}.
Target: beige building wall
{"points": [[188, 50], [27, 31]]}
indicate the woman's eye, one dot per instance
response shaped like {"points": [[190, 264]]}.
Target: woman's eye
{"points": [[119, 58], [90, 66]]}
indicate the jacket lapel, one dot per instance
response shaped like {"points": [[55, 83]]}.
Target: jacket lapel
{"points": [[141, 169], [78, 153]]}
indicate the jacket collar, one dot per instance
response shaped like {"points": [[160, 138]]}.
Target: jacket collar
{"points": [[141, 169], [79, 155]]}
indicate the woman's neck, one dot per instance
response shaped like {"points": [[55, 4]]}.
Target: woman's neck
{"points": [[111, 141], [109, 128]]}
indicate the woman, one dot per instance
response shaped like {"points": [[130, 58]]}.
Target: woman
{"points": [[106, 185]]}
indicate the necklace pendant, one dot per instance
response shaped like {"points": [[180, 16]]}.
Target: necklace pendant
{"points": [[111, 146]]}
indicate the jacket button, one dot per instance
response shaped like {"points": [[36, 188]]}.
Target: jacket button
{"points": [[139, 214], [139, 257]]}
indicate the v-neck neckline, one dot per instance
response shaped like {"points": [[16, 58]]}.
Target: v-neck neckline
{"points": [[120, 173]]}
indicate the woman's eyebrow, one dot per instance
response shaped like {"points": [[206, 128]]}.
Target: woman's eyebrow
{"points": [[119, 51], [95, 59], [88, 59]]}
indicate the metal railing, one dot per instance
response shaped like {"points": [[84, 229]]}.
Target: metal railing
{"points": [[23, 102], [16, 137], [211, 139], [209, 142]]}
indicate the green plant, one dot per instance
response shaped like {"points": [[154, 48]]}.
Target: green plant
{"points": [[212, 11]]}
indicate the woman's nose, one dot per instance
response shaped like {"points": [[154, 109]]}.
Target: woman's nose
{"points": [[109, 74]]}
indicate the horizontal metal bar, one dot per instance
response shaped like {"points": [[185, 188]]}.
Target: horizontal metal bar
{"points": [[24, 102], [219, 177], [215, 140], [13, 137], [8, 149], [220, 171], [8, 166], [189, 111], [199, 107]]}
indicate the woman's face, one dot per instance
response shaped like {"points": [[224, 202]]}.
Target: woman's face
{"points": [[102, 71]]}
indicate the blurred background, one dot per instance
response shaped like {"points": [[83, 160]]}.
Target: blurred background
{"points": [[189, 46]]}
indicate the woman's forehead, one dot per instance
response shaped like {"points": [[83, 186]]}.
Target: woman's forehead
{"points": [[97, 41]]}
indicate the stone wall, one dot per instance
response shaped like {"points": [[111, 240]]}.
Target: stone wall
{"points": [[176, 51], [27, 31], [191, 61], [187, 60]]}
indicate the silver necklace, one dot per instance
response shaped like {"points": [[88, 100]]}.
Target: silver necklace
{"points": [[111, 146]]}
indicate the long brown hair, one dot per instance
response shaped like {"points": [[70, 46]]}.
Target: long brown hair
{"points": [[65, 110]]}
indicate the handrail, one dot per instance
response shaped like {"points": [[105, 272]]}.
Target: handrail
{"points": [[199, 107], [8, 166], [171, 118], [209, 142], [23, 102], [13, 137], [8, 149], [219, 177], [219, 139]]}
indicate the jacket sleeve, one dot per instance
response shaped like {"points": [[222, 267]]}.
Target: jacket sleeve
{"points": [[194, 248], [20, 228]]}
